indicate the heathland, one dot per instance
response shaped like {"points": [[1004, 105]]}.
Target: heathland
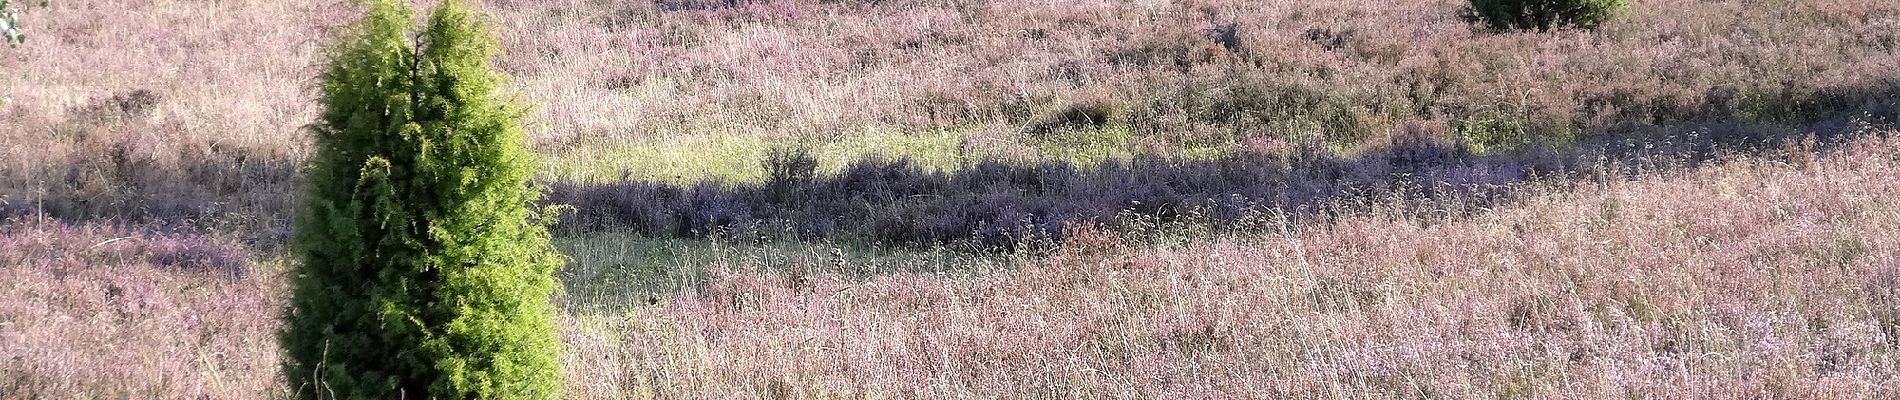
{"points": [[1023, 199]]}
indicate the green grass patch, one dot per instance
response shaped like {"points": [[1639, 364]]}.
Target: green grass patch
{"points": [[1088, 146], [1494, 134], [738, 159], [682, 160]]}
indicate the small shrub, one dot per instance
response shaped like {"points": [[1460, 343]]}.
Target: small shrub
{"points": [[1080, 115], [788, 171], [1227, 35], [1490, 135], [1788, 103], [1495, 133], [1542, 15], [424, 273], [1330, 39], [12, 209]]}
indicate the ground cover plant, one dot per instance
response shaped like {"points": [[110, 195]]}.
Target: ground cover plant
{"points": [[995, 206], [1662, 287], [117, 311], [687, 91]]}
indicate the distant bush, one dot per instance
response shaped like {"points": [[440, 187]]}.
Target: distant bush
{"points": [[423, 272], [1227, 35], [1492, 133], [1330, 39], [1076, 116], [1542, 15], [14, 209], [788, 172]]}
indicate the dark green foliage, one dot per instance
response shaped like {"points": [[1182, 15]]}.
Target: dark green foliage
{"points": [[1542, 15], [424, 272]]}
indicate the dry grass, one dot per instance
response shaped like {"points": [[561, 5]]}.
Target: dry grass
{"points": [[1751, 279], [103, 312], [615, 80], [1179, 75]]}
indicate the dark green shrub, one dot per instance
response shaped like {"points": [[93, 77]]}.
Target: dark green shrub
{"points": [[788, 171], [425, 274], [1542, 15]]}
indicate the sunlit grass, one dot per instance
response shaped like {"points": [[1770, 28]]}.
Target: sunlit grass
{"points": [[686, 160]]}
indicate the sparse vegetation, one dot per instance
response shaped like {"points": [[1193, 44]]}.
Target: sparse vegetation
{"points": [[1618, 289], [931, 199]]}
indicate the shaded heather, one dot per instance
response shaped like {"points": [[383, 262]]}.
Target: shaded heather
{"points": [[997, 205]]}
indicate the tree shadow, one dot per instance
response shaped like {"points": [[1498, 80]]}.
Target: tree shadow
{"points": [[110, 169], [1000, 206]]}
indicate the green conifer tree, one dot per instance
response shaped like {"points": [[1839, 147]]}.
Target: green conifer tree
{"points": [[1542, 15], [425, 272]]}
